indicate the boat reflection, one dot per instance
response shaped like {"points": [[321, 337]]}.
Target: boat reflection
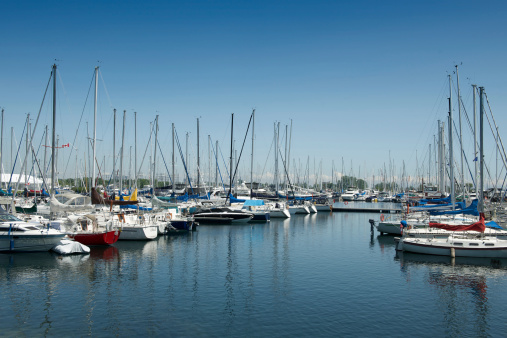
{"points": [[106, 253], [461, 287]]}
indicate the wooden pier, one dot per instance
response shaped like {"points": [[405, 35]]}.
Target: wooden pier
{"points": [[369, 207]]}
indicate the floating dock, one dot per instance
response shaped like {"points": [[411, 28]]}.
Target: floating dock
{"points": [[381, 208]]}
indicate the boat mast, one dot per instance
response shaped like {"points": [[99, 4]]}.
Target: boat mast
{"points": [[216, 167], [481, 149], [230, 171], [174, 179], [460, 139], [252, 160], [288, 154], [1, 149], [53, 139], [121, 153], [135, 148], [209, 162], [114, 147], [451, 158], [198, 160], [155, 154], [474, 89], [94, 183]]}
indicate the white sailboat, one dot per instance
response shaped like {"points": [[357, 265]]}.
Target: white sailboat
{"points": [[462, 240], [19, 236]]}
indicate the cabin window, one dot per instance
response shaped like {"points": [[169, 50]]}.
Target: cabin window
{"points": [[473, 244], [489, 244], [458, 243]]}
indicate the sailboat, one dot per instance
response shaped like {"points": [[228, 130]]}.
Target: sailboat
{"points": [[88, 232], [463, 240], [19, 236]]}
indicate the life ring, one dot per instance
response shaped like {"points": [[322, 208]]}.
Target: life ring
{"points": [[382, 217], [346, 202], [169, 215]]}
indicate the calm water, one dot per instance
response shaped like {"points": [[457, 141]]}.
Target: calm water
{"points": [[315, 275]]}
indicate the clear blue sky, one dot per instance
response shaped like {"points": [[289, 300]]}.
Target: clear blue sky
{"points": [[360, 80]]}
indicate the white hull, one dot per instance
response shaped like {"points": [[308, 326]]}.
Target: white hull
{"points": [[299, 210], [30, 243], [347, 197], [389, 228], [138, 232], [487, 247], [282, 213], [323, 207], [312, 209]]}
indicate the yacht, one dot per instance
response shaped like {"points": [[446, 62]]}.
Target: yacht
{"points": [[19, 236]]}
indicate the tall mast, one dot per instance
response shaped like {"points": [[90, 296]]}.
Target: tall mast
{"points": [[114, 148], [451, 158], [252, 160], [121, 153], [53, 142], [288, 153], [1, 149], [135, 148], [460, 139], [186, 153], [231, 173], [209, 162], [94, 183], [481, 149], [27, 138], [429, 164], [286, 188], [12, 142], [174, 179], [475, 139], [276, 158], [155, 153], [198, 159], [216, 165], [45, 151]]}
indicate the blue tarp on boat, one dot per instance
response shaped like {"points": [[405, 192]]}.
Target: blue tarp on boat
{"points": [[133, 206], [436, 200], [235, 200], [493, 225], [253, 203], [470, 210]]}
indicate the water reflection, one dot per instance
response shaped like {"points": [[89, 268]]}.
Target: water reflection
{"points": [[461, 285]]}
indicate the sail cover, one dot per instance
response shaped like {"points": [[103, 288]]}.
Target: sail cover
{"points": [[477, 226]]}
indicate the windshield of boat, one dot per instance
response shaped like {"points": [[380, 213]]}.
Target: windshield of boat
{"points": [[9, 218]]}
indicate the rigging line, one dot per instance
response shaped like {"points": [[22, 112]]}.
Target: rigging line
{"points": [[495, 136], [145, 152], [35, 128], [167, 169], [32, 169], [501, 143], [183, 160], [79, 123], [17, 154], [98, 167], [105, 89], [241, 152], [267, 158], [68, 107], [38, 166], [464, 154], [285, 168], [225, 164], [218, 167]]}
